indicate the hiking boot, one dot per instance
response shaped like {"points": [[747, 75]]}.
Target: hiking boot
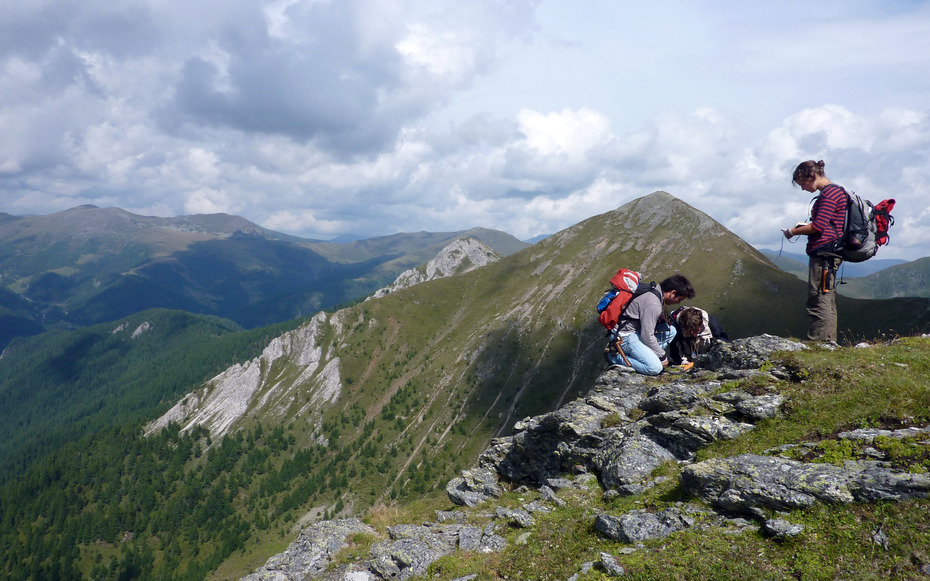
{"points": [[622, 368]]}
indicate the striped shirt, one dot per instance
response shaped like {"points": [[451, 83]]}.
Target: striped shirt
{"points": [[828, 217]]}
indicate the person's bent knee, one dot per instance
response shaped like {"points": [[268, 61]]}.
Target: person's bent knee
{"points": [[652, 369]]}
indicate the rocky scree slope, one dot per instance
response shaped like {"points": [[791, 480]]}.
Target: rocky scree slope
{"points": [[616, 436]]}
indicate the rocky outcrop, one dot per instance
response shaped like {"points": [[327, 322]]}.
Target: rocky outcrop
{"points": [[618, 434], [255, 386], [640, 525], [748, 355], [750, 484], [626, 427], [406, 553], [459, 257], [412, 548], [310, 554], [474, 487]]}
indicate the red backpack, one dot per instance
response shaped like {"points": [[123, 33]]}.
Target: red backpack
{"points": [[624, 286]]}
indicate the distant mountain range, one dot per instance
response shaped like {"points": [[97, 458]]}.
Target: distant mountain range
{"points": [[89, 265], [796, 263], [873, 279]]}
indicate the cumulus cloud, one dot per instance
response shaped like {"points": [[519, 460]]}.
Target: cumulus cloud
{"points": [[322, 118]]}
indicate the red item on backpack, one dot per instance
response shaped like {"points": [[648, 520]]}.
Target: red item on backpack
{"points": [[623, 285], [883, 220]]}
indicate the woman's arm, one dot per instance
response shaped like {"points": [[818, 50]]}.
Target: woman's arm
{"points": [[800, 230]]}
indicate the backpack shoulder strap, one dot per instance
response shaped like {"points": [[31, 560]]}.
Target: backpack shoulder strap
{"points": [[646, 287]]}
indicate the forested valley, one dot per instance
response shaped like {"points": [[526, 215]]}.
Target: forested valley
{"points": [[122, 506]]}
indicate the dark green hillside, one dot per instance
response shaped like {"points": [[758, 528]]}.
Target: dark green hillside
{"points": [[59, 386], [18, 317], [911, 279], [89, 265], [115, 505], [253, 282]]}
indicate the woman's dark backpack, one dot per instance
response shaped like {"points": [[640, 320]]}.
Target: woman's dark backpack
{"points": [[866, 228]]}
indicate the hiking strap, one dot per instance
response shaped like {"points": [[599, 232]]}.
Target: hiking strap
{"points": [[842, 280], [830, 268], [653, 288], [619, 347]]}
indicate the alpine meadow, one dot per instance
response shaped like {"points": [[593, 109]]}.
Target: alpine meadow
{"points": [[246, 433]]}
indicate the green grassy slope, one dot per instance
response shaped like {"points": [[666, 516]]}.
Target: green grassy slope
{"points": [[911, 279]]}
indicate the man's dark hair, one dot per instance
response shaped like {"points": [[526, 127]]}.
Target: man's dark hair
{"points": [[679, 284]]}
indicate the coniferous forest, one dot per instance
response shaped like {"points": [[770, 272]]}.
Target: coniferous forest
{"points": [[86, 492], [132, 507]]}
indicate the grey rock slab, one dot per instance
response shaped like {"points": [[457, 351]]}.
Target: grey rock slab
{"points": [[310, 554], [473, 487], [611, 566], [402, 559], [640, 525], [673, 396], [781, 529], [748, 353], [742, 484], [761, 407], [869, 434], [628, 461]]}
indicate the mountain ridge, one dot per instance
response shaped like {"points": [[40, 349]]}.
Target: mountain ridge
{"points": [[88, 265], [911, 279], [524, 320], [461, 256]]}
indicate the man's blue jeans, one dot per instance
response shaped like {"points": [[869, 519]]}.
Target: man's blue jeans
{"points": [[642, 359]]}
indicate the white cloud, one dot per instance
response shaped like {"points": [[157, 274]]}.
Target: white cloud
{"points": [[304, 221], [838, 126], [206, 201], [569, 133], [319, 118], [447, 55]]}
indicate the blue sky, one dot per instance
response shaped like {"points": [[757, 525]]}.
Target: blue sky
{"points": [[321, 118]]}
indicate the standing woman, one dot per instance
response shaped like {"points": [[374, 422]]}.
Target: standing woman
{"points": [[824, 232]]}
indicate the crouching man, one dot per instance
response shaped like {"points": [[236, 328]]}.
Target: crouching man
{"points": [[643, 333]]}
